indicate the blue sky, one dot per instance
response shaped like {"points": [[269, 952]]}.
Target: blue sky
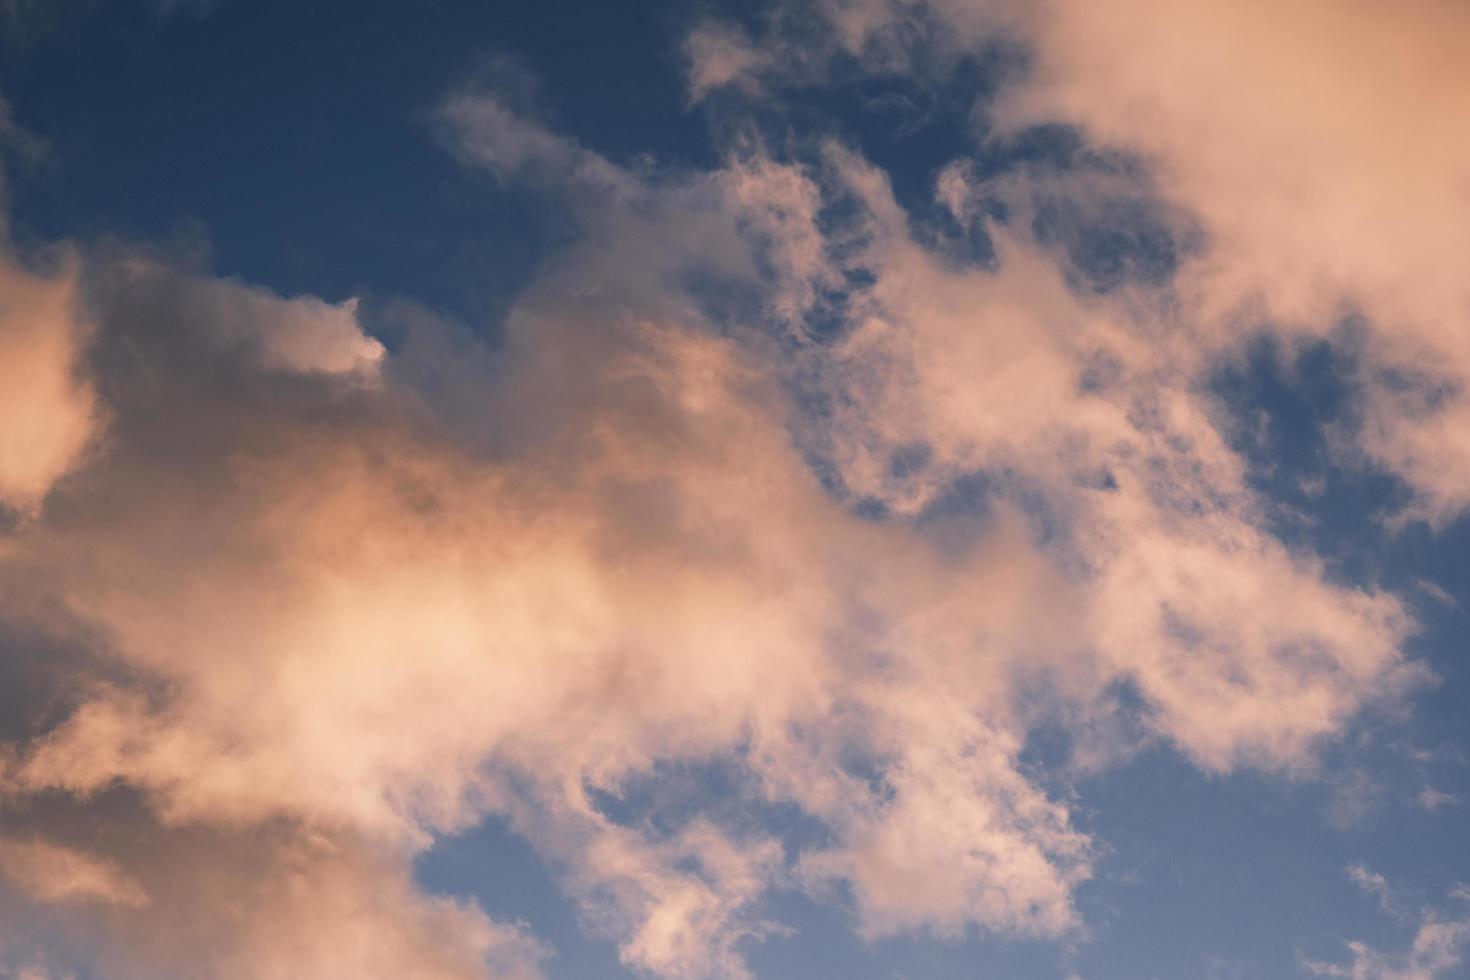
{"points": [[808, 489]]}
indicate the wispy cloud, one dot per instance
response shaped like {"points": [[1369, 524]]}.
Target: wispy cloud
{"points": [[1435, 951]]}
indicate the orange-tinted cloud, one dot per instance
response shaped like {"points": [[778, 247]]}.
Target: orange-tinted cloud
{"points": [[353, 600], [49, 413]]}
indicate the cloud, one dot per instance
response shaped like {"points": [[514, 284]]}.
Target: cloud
{"points": [[49, 873], [303, 335], [1431, 800], [720, 55], [485, 129], [1436, 950], [1377, 886], [1332, 190], [1326, 179], [49, 411], [354, 600], [209, 901], [990, 373]]}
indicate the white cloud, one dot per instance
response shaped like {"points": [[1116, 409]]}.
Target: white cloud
{"points": [[1376, 885], [1327, 178], [1436, 952], [48, 411], [354, 616]]}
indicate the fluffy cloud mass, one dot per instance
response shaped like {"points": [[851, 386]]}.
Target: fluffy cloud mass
{"points": [[1314, 141], [764, 473]]}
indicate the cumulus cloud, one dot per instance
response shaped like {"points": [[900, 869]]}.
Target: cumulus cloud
{"points": [[343, 601], [998, 374], [49, 873], [213, 901], [303, 335], [49, 411], [1327, 178]]}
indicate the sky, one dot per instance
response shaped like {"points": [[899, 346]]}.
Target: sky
{"points": [[873, 489]]}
